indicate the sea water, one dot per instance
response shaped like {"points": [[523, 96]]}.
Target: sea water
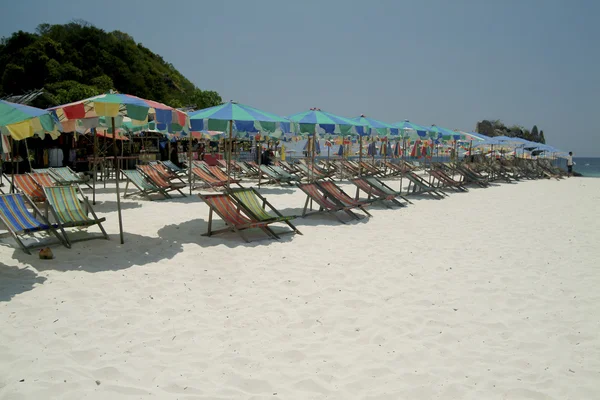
{"points": [[587, 166]]}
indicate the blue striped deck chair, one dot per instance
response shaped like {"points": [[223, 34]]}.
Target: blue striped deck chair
{"points": [[145, 187], [20, 221], [40, 170], [67, 210]]}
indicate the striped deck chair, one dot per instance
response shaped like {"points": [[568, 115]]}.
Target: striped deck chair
{"points": [[222, 176], [43, 179], [173, 168], [384, 188], [66, 176], [326, 203], [289, 167], [233, 215], [158, 180], [338, 193], [272, 176], [234, 166], [144, 187], [373, 192], [68, 212], [165, 172], [19, 221], [418, 185], [256, 206], [208, 179], [27, 185], [284, 173], [444, 180], [249, 172], [41, 170]]}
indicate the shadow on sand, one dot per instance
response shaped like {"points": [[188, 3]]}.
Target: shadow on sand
{"points": [[15, 280]]}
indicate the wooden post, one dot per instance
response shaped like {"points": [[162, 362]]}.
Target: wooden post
{"points": [[115, 153], [360, 146], [190, 162]]}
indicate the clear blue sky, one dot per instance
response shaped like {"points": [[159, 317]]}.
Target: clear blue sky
{"points": [[449, 63]]}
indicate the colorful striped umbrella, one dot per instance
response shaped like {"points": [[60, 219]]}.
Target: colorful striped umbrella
{"points": [[115, 105], [309, 121], [373, 127], [21, 121]]}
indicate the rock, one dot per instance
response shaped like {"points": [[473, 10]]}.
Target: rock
{"points": [[46, 254]]}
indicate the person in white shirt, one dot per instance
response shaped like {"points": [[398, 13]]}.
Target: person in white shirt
{"points": [[570, 164]]}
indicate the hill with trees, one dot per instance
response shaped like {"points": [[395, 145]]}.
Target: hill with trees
{"points": [[77, 60], [497, 128]]}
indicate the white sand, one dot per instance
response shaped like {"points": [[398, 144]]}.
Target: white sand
{"points": [[491, 294]]}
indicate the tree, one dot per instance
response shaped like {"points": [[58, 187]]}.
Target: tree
{"points": [[542, 138], [535, 136], [13, 79]]}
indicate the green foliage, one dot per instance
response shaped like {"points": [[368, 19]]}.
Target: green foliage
{"points": [[542, 138], [78, 60]]}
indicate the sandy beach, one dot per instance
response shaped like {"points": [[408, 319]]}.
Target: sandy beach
{"points": [[490, 294]]}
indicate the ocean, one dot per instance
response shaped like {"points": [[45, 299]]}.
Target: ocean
{"points": [[587, 166]]}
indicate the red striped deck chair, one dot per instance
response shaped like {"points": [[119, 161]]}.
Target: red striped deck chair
{"points": [[233, 216], [208, 179], [27, 185], [157, 179], [373, 192], [43, 179], [222, 176], [338, 193], [326, 203]]}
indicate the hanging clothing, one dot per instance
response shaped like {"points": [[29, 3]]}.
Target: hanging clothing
{"points": [[72, 155], [55, 157]]}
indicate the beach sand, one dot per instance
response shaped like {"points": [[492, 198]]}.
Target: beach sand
{"points": [[490, 294]]}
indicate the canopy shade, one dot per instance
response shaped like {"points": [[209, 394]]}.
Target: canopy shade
{"points": [[406, 125], [21, 121], [373, 127], [307, 122], [245, 119]]}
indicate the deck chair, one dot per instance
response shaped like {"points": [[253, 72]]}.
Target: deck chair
{"points": [[256, 205], [158, 180], [417, 184], [338, 193], [445, 180], [144, 187], [311, 173], [27, 185], [208, 179], [233, 215], [375, 192], [289, 167], [384, 188], [222, 176], [67, 210], [166, 173], [43, 179], [41, 170], [249, 172], [284, 173], [327, 204], [273, 177], [173, 168], [19, 221], [66, 176]]}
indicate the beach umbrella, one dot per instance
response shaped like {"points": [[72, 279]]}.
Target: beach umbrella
{"points": [[18, 122], [308, 122], [372, 127], [407, 126], [243, 118], [116, 106]]}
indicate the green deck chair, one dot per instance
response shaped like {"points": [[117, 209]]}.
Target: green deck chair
{"points": [[68, 212], [256, 205]]}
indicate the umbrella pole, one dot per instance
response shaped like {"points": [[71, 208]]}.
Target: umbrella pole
{"points": [[104, 161], [94, 165], [190, 162], [115, 153], [360, 148], [229, 155], [12, 161], [403, 149], [259, 151], [27, 150]]}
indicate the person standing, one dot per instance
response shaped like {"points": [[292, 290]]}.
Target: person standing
{"points": [[570, 164]]}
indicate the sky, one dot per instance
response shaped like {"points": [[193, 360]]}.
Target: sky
{"points": [[449, 63]]}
